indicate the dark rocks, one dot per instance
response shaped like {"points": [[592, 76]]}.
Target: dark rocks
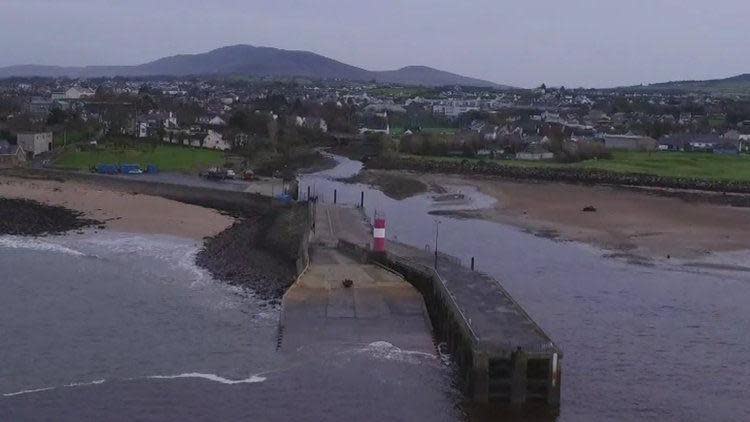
{"points": [[347, 283], [236, 256], [589, 208], [24, 217], [257, 252]]}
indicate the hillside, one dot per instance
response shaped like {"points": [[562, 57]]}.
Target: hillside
{"points": [[246, 60], [737, 84]]}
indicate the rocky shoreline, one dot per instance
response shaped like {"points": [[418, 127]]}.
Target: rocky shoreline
{"points": [[258, 252], [24, 217]]}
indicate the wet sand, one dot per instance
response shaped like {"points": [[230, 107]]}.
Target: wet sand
{"points": [[121, 211], [625, 221]]}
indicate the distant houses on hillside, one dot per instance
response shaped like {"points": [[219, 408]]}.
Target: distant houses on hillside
{"points": [[703, 143], [11, 155], [314, 123], [73, 93], [629, 142]]}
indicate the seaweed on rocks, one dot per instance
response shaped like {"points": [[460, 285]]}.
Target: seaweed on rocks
{"points": [[258, 252], [23, 217]]}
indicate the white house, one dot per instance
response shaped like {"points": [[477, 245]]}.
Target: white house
{"points": [[214, 140], [76, 93], [377, 123], [217, 121], [312, 123], [455, 108], [142, 129], [35, 143]]}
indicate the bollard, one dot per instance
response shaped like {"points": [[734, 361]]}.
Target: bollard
{"points": [[362, 199], [334, 196], [378, 234], [472, 263], [308, 193]]}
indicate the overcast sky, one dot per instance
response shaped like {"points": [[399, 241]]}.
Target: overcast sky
{"points": [[592, 43]]}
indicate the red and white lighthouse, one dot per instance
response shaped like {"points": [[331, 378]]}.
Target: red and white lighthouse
{"points": [[378, 234]]}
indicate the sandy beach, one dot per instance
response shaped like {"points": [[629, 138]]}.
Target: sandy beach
{"points": [[121, 211], [625, 221]]}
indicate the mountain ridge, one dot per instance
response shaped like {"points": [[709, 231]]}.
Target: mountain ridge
{"points": [[732, 84], [243, 59]]}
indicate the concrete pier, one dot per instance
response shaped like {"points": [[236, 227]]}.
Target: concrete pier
{"points": [[505, 356], [398, 296], [380, 306]]}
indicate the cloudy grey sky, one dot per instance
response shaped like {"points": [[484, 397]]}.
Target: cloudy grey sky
{"points": [[519, 42]]}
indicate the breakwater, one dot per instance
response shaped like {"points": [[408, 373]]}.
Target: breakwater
{"points": [[503, 356]]}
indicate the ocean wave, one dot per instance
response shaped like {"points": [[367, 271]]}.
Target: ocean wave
{"points": [[22, 392], [212, 377], [177, 253], [39, 390], [15, 242], [80, 384]]}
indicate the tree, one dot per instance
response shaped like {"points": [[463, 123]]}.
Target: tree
{"points": [[57, 116]]}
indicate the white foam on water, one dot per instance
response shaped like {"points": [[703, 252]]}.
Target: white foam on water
{"points": [[39, 390], [22, 392], [80, 384], [212, 377], [176, 252], [387, 351], [16, 242], [444, 356]]}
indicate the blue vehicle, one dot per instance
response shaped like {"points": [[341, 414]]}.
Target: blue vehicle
{"points": [[107, 169], [131, 169], [285, 198]]}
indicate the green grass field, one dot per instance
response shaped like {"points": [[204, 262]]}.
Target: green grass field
{"points": [[671, 164], [677, 164], [166, 157]]}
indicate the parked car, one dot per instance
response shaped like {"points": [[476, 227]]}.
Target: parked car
{"points": [[216, 173]]}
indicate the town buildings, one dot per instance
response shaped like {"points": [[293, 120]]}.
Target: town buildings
{"points": [[11, 155], [35, 143], [629, 142], [201, 112]]}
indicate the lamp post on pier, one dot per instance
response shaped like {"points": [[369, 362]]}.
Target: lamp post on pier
{"points": [[437, 233]]}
